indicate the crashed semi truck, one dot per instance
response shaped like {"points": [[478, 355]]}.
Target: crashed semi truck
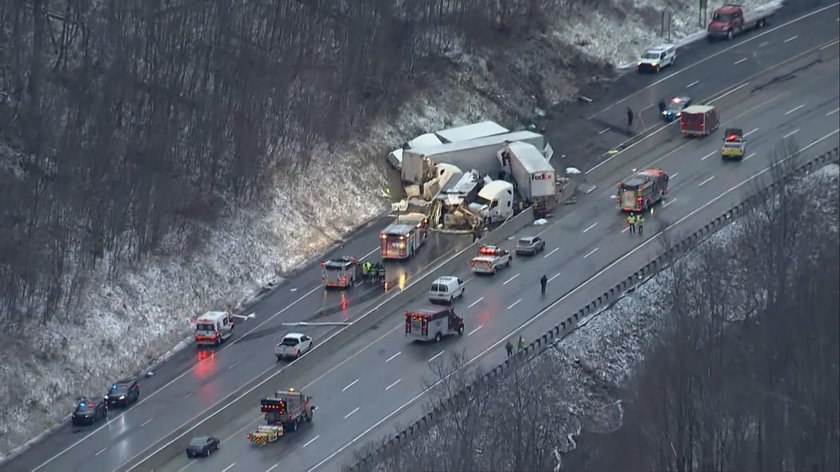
{"points": [[450, 135], [533, 174], [418, 165]]}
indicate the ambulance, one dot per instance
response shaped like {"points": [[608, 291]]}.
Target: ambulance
{"points": [[213, 327]]}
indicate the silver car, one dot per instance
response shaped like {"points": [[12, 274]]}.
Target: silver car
{"points": [[530, 245]]}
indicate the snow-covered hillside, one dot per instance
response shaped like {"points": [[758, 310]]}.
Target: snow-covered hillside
{"points": [[146, 311]]}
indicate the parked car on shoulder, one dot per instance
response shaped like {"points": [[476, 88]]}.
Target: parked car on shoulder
{"points": [[202, 446], [292, 346], [673, 110], [530, 245], [123, 393], [446, 289], [654, 59], [89, 410]]}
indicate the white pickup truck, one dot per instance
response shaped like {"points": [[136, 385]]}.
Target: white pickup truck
{"points": [[293, 346], [490, 259]]}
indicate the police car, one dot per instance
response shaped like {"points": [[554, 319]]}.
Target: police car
{"points": [[674, 108], [89, 410]]}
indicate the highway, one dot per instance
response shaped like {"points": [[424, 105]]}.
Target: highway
{"points": [[185, 386], [376, 385]]}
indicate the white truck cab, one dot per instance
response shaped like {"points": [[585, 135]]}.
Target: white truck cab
{"points": [[213, 327], [658, 57], [494, 202]]}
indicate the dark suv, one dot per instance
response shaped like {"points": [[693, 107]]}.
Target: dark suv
{"points": [[89, 411], [123, 393]]}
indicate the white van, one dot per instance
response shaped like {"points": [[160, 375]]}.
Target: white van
{"points": [[446, 289], [494, 202], [656, 58], [213, 327]]}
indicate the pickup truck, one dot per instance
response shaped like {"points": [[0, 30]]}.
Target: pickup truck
{"points": [[293, 346], [732, 19], [490, 259]]}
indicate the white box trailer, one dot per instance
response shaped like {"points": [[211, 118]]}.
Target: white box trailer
{"points": [[533, 175], [470, 132], [479, 154]]}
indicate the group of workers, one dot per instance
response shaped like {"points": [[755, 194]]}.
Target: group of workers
{"points": [[634, 220], [520, 344], [373, 272]]}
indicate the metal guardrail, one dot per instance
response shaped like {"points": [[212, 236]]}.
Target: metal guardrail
{"points": [[570, 324]]}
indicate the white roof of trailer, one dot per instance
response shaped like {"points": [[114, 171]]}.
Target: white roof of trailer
{"points": [[530, 157], [470, 132]]}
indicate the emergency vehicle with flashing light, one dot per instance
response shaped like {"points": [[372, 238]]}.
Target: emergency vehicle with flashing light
{"points": [[340, 273], [642, 190], [734, 144], [404, 237], [673, 110], [490, 259], [89, 410], [213, 327], [285, 411], [432, 322], [123, 393]]}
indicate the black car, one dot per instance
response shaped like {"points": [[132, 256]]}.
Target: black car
{"points": [[123, 393], [89, 411], [202, 446], [674, 108], [530, 245]]}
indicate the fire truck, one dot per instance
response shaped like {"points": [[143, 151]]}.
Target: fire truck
{"points": [[402, 238], [340, 273], [433, 323], [642, 190], [283, 412]]}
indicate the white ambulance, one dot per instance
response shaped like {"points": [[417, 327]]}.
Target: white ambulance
{"points": [[213, 327]]}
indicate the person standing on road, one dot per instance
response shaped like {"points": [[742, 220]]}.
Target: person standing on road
{"points": [[661, 105], [543, 283], [629, 117], [509, 348], [631, 222], [641, 221], [521, 342]]}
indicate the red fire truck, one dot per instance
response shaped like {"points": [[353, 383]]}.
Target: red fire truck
{"points": [[642, 190], [402, 238], [433, 323]]}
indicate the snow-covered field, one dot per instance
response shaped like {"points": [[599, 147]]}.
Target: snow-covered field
{"points": [[139, 316]]}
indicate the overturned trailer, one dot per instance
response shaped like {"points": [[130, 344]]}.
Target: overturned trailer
{"points": [[450, 135]]}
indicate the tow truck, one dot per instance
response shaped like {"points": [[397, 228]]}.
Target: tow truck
{"points": [[341, 272], [283, 412], [642, 190], [734, 144], [490, 259]]}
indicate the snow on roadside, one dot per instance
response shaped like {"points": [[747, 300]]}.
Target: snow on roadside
{"points": [[136, 318]]}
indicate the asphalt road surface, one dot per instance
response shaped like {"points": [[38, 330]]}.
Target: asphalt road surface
{"points": [[377, 384], [191, 382]]}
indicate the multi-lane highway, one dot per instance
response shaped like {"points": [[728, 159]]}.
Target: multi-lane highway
{"points": [[356, 389], [376, 384]]}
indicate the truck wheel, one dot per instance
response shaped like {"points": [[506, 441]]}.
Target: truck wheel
{"points": [[658, 68], [450, 299], [729, 35], [461, 330], [278, 358], [309, 416], [293, 425], [437, 338]]}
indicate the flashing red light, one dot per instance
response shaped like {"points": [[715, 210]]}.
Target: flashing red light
{"points": [[383, 236], [343, 279], [639, 200], [323, 263], [731, 137], [487, 250], [676, 99], [248, 437]]}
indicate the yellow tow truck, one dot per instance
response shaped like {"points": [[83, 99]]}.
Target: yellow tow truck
{"points": [[734, 144]]}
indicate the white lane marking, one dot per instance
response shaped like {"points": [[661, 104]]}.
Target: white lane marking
{"points": [[674, 176], [712, 56], [349, 385], [436, 356], [692, 84], [740, 61], [514, 304], [475, 302], [792, 110], [749, 157], [348, 415], [750, 132], [791, 38], [832, 112], [590, 253], [473, 331], [311, 441], [551, 252], [146, 422], [272, 467], [706, 181], [147, 397], [603, 131], [708, 155], [665, 205], [554, 276], [234, 365], [228, 467], [591, 226], [645, 108], [247, 426], [562, 299], [591, 190], [510, 279], [791, 133], [389, 387], [393, 357], [100, 452], [625, 229]]}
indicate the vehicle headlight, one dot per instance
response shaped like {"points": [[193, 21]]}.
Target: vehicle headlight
{"points": [[122, 397], [654, 63]]}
